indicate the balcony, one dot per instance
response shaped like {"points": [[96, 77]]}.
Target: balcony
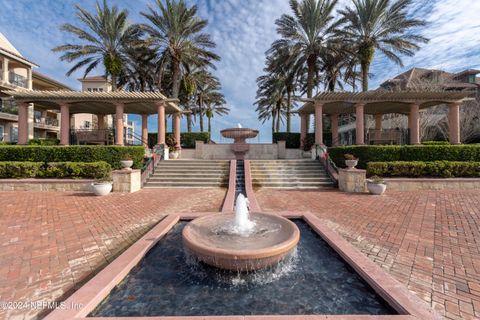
{"points": [[17, 80], [8, 110], [46, 123]]}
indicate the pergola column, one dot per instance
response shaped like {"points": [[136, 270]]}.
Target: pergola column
{"points": [[22, 123], [145, 130], [64, 124], [454, 122], [303, 128], [334, 119], [161, 123], [119, 108], [359, 111], [414, 123], [318, 123], [176, 129], [378, 121]]}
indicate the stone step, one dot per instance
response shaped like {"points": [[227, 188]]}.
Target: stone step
{"points": [[187, 175], [170, 179], [280, 185], [184, 185], [190, 170], [198, 167]]}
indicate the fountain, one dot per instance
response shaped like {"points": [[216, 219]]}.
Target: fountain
{"points": [[239, 136], [240, 241]]}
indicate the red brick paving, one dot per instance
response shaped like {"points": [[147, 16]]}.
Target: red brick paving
{"points": [[52, 242], [428, 240]]}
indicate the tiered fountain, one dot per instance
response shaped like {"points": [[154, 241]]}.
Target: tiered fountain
{"points": [[239, 135], [241, 242]]}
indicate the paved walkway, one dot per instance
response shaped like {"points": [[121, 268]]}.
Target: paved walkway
{"points": [[430, 241], [51, 243]]}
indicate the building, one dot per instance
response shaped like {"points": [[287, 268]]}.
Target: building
{"points": [[415, 79], [91, 121], [17, 73]]}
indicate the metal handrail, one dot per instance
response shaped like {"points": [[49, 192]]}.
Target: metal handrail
{"points": [[330, 166]]}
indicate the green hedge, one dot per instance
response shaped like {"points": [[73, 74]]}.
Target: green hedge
{"points": [[443, 169], [435, 143], [405, 153], [75, 170], [43, 142], [187, 139], [292, 139], [110, 154]]}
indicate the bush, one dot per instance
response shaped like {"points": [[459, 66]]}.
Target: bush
{"points": [[17, 170], [43, 142], [435, 143], [75, 170], [292, 139], [368, 154], [187, 139], [415, 169], [110, 154]]}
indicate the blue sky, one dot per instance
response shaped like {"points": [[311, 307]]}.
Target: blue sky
{"points": [[243, 31]]}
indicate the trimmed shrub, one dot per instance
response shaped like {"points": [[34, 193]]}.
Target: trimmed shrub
{"points": [[187, 139], [75, 170], [368, 154], [292, 139], [110, 154], [415, 169], [43, 142], [17, 170], [435, 143]]}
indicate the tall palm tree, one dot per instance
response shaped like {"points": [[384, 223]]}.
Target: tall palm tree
{"points": [[208, 91], [104, 39], [271, 102], [217, 107], [137, 74], [282, 62], [380, 25], [306, 33], [176, 32]]}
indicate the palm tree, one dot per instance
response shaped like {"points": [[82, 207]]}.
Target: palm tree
{"points": [[103, 40], [306, 33], [271, 102], [282, 62], [380, 25], [217, 107], [176, 32], [208, 91], [137, 74]]}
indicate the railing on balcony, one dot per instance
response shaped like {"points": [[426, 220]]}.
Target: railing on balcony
{"points": [[17, 80], [91, 136], [8, 106], [387, 136], [52, 122]]}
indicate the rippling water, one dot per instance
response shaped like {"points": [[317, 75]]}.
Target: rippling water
{"points": [[313, 280]]}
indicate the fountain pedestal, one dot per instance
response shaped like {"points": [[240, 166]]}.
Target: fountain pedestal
{"points": [[239, 135]]}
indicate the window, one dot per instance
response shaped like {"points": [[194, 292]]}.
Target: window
{"points": [[2, 133], [89, 89], [471, 78], [13, 134], [87, 124], [100, 89]]}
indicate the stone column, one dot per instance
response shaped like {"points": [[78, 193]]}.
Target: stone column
{"points": [[64, 124], [414, 123], [378, 121], [334, 119], [22, 123], [145, 130], [161, 122], [5, 70], [359, 110], [454, 122], [303, 128], [176, 129], [119, 108], [318, 123]]}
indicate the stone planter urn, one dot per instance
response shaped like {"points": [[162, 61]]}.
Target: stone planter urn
{"points": [[101, 188], [173, 155], [376, 188], [126, 164], [351, 164]]}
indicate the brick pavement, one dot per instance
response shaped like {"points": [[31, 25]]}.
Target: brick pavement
{"points": [[52, 242], [428, 240]]}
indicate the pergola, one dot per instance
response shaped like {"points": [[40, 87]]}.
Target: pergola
{"points": [[379, 103], [100, 104]]}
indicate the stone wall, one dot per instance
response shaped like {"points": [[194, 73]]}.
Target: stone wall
{"points": [[414, 184], [45, 185]]}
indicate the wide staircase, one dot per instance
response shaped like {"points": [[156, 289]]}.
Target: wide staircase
{"points": [[289, 174], [190, 173]]}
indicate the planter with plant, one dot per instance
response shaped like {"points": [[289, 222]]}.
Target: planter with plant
{"points": [[350, 161], [376, 185], [307, 144], [126, 161], [172, 147], [102, 186]]}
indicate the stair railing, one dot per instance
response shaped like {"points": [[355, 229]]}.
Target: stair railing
{"points": [[330, 167], [149, 166]]}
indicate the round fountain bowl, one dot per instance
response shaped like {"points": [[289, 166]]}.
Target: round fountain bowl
{"points": [[239, 135], [210, 240]]}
